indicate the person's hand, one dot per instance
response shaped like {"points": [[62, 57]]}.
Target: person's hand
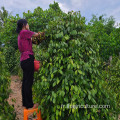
{"points": [[39, 32], [42, 35]]}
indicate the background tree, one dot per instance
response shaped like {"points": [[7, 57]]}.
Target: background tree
{"points": [[3, 14], [104, 34]]}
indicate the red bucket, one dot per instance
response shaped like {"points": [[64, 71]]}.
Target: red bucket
{"points": [[36, 65]]}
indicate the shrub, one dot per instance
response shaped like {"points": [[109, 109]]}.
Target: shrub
{"points": [[70, 74], [6, 111], [112, 76], [9, 38]]}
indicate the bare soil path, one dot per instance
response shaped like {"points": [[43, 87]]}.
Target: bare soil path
{"points": [[15, 97]]}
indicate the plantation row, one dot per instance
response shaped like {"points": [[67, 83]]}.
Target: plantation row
{"points": [[75, 68]]}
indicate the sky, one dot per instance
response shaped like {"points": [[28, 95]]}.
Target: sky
{"points": [[86, 7]]}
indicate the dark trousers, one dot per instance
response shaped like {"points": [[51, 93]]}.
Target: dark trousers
{"points": [[28, 76]]}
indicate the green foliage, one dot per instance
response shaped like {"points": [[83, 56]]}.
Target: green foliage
{"points": [[112, 75], [70, 72], [3, 15], [10, 58], [9, 38], [105, 35], [6, 111], [55, 7]]}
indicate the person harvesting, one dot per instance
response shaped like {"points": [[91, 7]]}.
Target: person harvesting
{"points": [[26, 61]]}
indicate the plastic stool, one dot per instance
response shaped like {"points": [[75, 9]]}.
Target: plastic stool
{"points": [[28, 112]]}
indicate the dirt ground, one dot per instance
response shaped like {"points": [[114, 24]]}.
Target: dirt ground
{"points": [[15, 97]]}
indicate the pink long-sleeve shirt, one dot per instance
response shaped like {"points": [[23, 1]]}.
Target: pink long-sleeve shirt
{"points": [[25, 44]]}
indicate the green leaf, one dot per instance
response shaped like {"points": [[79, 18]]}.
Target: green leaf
{"points": [[60, 113], [76, 72], [67, 88], [58, 81], [57, 112], [74, 32], [90, 52], [66, 37], [62, 93], [91, 85], [60, 71], [54, 100], [66, 99], [76, 88], [52, 75], [54, 84], [59, 35], [68, 66], [79, 71], [89, 97], [88, 116]]}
